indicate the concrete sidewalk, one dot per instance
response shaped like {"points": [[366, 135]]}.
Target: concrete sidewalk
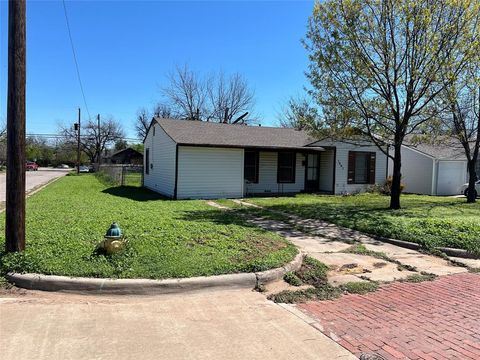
{"points": [[328, 242], [236, 324]]}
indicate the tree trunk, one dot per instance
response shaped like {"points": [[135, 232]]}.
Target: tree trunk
{"points": [[471, 192], [396, 179]]}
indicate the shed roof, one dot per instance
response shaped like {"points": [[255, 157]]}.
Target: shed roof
{"points": [[442, 148], [129, 150], [201, 133]]}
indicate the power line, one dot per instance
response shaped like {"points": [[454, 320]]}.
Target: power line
{"points": [[75, 59], [61, 136]]}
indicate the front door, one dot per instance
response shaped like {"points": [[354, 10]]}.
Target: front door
{"points": [[312, 172]]}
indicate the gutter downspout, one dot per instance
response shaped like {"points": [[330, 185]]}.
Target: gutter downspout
{"points": [[434, 177]]}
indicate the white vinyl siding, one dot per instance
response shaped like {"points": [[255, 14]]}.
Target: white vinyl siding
{"points": [[423, 174], [341, 166], [417, 171], [451, 176], [162, 152], [327, 170], [267, 176], [209, 173]]}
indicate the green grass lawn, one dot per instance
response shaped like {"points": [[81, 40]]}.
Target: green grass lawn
{"points": [[427, 220], [166, 238]]}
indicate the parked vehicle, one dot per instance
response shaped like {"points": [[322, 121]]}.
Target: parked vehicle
{"points": [[31, 166], [84, 169], [63, 166], [464, 188]]}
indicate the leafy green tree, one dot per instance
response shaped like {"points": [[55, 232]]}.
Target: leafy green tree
{"points": [[376, 65], [298, 113]]}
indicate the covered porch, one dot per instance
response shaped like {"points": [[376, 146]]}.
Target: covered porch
{"points": [[276, 172]]}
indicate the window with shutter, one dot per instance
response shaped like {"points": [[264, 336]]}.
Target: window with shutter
{"points": [[361, 167]]}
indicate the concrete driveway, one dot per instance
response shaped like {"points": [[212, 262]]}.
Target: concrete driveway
{"points": [[34, 179], [235, 324]]}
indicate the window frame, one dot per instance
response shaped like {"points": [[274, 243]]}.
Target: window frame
{"points": [[257, 166], [292, 166], [147, 161], [370, 170]]}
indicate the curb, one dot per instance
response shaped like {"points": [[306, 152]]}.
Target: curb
{"points": [[147, 286], [414, 246]]}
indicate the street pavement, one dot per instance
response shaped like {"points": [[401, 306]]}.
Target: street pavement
{"points": [[34, 179]]}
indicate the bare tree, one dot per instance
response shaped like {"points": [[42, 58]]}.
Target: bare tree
{"points": [[163, 111], [144, 118], [229, 98], [216, 97], [142, 122], [186, 92], [298, 113], [95, 139]]}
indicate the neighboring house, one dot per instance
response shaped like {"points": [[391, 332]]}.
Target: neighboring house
{"points": [[126, 156], [438, 169], [194, 159]]}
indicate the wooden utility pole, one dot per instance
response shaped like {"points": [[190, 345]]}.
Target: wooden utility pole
{"points": [[15, 197], [78, 143]]}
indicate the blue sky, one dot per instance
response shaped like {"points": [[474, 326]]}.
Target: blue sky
{"points": [[125, 48]]}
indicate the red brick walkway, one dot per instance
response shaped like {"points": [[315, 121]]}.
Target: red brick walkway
{"points": [[429, 320]]}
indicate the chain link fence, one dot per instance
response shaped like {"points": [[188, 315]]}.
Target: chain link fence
{"points": [[123, 175]]}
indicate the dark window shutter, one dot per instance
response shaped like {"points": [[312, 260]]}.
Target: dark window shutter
{"points": [[371, 172], [351, 167]]}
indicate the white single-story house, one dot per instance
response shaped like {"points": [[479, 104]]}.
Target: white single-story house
{"points": [[433, 169], [199, 160]]}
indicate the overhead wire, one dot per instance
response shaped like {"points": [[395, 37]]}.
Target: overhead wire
{"points": [[75, 59]]}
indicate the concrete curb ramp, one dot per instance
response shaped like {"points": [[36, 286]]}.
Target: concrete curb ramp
{"points": [[150, 287]]}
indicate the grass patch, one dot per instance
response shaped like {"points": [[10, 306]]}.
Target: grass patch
{"points": [[4, 284], [324, 292], [166, 239], [229, 203], [431, 221], [360, 249], [359, 287], [417, 278], [314, 272], [292, 279]]}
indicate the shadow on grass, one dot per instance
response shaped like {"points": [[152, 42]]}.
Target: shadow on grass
{"points": [[216, 216], [134, 193]]}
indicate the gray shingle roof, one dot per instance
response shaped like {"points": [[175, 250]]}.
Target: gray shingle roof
{"points": [[443, 148], [201, 133]]}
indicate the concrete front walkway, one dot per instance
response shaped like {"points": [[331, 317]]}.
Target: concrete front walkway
{"points": [[328, 243], [235, 324]]}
